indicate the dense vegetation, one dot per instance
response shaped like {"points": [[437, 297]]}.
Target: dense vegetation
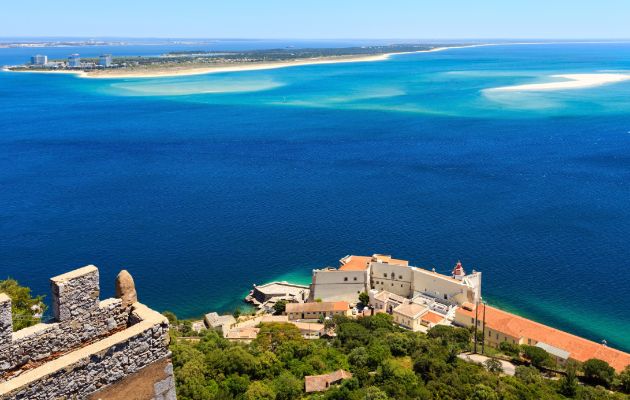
{"points": [[387, 363], [275, 54], [26, 310]]}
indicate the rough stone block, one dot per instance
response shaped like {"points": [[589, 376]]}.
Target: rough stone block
{"points": [[6, 323], [75, 293]]}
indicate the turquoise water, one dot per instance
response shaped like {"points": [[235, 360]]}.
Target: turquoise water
{"points": [[203, 185]]}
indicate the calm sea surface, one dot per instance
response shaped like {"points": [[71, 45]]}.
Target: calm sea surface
{"points": [[201, 186]]}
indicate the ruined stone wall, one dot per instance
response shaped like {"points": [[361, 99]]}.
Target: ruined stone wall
{"points": [[79, 318], [91, 345], [83, 372]]}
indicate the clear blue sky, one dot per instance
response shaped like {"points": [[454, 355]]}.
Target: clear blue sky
{"points": [[322, 19]]}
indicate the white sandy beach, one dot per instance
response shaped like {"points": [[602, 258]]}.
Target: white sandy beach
{"points": [[575, 81]]}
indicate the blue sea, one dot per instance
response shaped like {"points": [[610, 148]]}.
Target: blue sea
{"points": [[201, 186]]}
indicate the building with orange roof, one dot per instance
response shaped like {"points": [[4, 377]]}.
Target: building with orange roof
{"points": [[503, 326], [409, 316], [357, 274], [386, 301], [246, 334], [431, 319], [321, 383], [315, 310]]}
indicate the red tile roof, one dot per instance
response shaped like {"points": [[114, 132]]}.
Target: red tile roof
{"points": [[315, 307], [320, 383], [243, 333], [356, 263], [433, 317], [579, 348]]}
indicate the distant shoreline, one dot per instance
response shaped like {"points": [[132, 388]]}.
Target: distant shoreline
{"points": [[134, 72], [131, 72]]}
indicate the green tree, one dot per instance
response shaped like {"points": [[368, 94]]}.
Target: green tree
{"points": [[598, 370], [321, 319], [237, 313], [528, 374], [462, 335], [358, 357], [280, 306], [535, 355], [441, 331], [258, 391], [288, 387], [494, 365], [569, 383], [374, 393], [26, 309], [510, 348], [318, 300], [364, 298], [624, 377], [172, 319], [483, 392]]}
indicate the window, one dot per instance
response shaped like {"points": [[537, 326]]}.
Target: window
{"points": [[384, 275], [358, 292], [401, 285], [355, 278], [497, 336], [397, 318], [506, 339], [445, 298], [399, 276], [392, 284], [345, 279], [560, 359], [308, 313], [529, 341], [489, 333], [472, 320], [513, 341]]}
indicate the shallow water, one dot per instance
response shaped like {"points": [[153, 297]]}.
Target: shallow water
{"points": [[203, 185]]}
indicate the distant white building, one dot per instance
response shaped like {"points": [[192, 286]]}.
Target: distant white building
{"points": [[39, 60], [74, 60], [106, 60]]}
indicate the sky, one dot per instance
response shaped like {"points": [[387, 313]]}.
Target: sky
{"points": [[321, 19]]}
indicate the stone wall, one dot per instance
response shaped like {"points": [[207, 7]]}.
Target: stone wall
{"points": [[95, 367], [89, 346], [83, 319]]}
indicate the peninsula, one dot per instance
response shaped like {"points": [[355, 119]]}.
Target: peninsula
{"points": [[203, 62]]}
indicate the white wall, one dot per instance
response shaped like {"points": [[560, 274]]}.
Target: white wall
{"points": [[436, 286], [399, 283]]}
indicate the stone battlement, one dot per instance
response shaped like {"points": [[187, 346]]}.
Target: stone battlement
{"points": [[90, 344]]}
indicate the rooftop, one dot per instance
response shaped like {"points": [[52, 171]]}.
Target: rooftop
{"points": [[214, 319], [243, 333], [355, 263], [433, 317], [412, 310], [320, 383], [323, 306], [579, 348], [281, 288]]}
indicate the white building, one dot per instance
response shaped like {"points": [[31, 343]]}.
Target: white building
{"points": [[74, 60], [39, 60], [358, 274], [106, 60]]}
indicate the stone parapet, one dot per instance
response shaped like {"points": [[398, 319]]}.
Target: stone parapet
{"points": [[42, 341], [95, 367], [6, 324], [75, 293]]}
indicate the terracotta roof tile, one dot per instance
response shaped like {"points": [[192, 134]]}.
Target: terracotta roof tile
{"points": [[356, 263], [412, 310], [579, 348], [315, 307], [433, 317], [320, 383]]}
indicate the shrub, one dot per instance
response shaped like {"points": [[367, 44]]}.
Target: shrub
{"points": [[510, 348], [598, 370]]}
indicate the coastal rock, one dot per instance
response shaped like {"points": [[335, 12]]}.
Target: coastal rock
{"points": [[126, 289]]}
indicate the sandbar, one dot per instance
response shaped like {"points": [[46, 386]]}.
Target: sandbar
{"points": [[575, 81]]}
